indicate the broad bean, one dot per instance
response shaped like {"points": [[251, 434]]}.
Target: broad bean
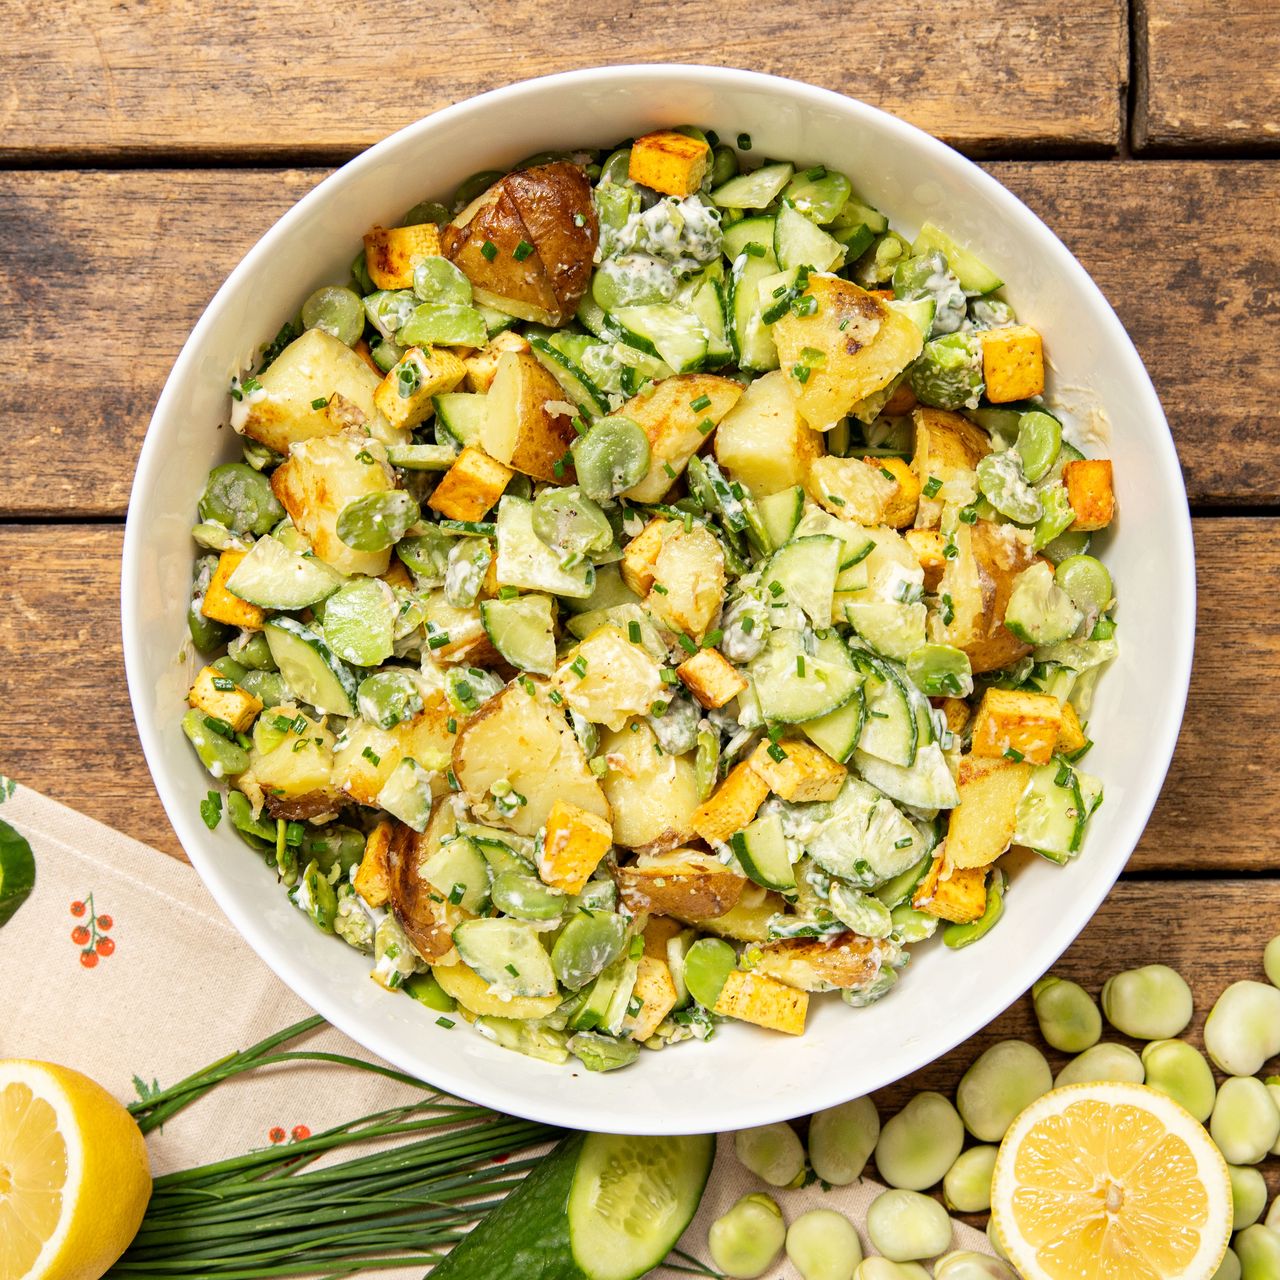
{"points": [[216, 746], [1273, 1214], [841, 1140], [963, 1265], [1228, 1268], [1258, 1249], [240, 498], [1104, 1061], [1151, 1003], [967, 1186], [1243, 1028], [589, 943], [1181, 1071], [1003, 1081], [1273, 1088], [1271, 961], [1248, 1195], [317, 898], [1068, 1017], [773, 1152], [918, 1145], [745, 1242], [250, 649], [823, 1245], [706, 967], [906, 1226], [1245, 1123]]}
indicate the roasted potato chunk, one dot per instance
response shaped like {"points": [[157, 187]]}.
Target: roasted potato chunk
{"points": [[482, 367], [423, 910], [763, 442], [1010, 721], [656, 992], [688, 580], [640, 555], [853, 488], [929, 548], [819, 964], [541, 226], [479, 999], [682, 882], [528, 425], [1071, 736], [947, 446], [652, 796], [608, 679], [373, 875], [982, 824]]}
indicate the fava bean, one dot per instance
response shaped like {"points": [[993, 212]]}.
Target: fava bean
{"points": [[426, 211], [219, 752], [1248, 1195], [1151, 1003], [1228, 1268], [216, 537], [250, 649], [1271, 961], [388, 697], [610, 458], [589, 943], [474, 186], [841, 1140], [956, 936], [773, 1152], [963, 1265], [333, 846], [1039, 439], [918, 1145], [707, 965], [865, 915], [1245, 1123], [336, 310], [1068, 1017], [317, 898], [906, 1226], [257, 833], [1273, 1088], [1003, 1081], [424, 988], [377, 520], [240, 499], [994, 1240], [438, 280], [1258, 1249], [1086, 580], [746, 1241], [724, 165], [267, 686], [823, 1245], [601, 1053], [569, 521], [1243, 1028], [229, 667], [1273, 1214], [1181, 1071], [967, 1186], [527, 898], [1103, 1062]]}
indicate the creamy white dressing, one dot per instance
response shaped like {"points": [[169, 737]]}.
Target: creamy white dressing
{"points": [[240, 408]]}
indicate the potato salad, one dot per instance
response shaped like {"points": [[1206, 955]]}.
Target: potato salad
{"points": [[652, 591]]}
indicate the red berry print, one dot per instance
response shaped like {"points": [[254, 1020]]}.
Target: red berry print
{"points": [[301, 1133], [276, 1135], [91, 937]]}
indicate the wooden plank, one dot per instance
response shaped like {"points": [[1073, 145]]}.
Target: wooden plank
{"points": [[69, 732], [274, 79], [1208, 75], [151, 277]]}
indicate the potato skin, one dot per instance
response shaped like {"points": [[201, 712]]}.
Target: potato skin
{"points": [[685, 883], [424, 913], [538, 206]]}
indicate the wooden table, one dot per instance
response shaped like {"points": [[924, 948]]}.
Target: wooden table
{"points": [[148, 146]]}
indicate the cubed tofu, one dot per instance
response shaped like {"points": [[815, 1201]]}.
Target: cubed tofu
{"points": [[929, 545], [676, 430], [482, 367], [853, 489], [607, 678], [1024, 724], [220, 697], [373, 876], [658, 931], [318, 479], [573, 847], [689, 884], [804, 775], [982, 824], [1071, 736], [711, 678], [471, 487], [405, 396], [220, 605], [641, 554], [757, 998], [391, 253], [763, 442], [688, 581], [733, 805], [1090, 492], [670, 162], [955, 894], [900, 510], [1012, 363], [656, 992], [956, 711]]}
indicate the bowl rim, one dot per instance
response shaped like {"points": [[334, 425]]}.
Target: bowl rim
{"points": [[448, 1072]]}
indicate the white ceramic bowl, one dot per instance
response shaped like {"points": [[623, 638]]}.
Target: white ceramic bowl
{"points": [[744, 1076]]}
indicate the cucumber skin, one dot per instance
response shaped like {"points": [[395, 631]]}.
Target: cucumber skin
{"points": [[527, 1236]]}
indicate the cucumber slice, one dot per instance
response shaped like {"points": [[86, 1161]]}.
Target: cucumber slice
{"points": [[780, 514], [927, 784], [274, 577], [461, 414], [1052, 811], [830, 677], [615, 1015], [797, 242], [17, 872], [918, 310], [856, 240], [495, 322], [974, 275], [525, 561], [752, 342], [665, 331], [762, 849], [757, 231], [837, 734], [708, 305], [591, 1013], [857, 213], [310, 668], [755, 190], [522, 631], [806, 570], [889, 627], [579, 388], [421, 457], [891, 732], [459, 871], [858, 543], [1039, 611], [507, 954]]}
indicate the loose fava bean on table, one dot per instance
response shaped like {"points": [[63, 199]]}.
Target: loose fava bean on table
{"points": [[1258, 1249], [1000, 1084], [963, 1265], [1151, 1003], [745, 1242], [1242, 1030], [906, 1226], [773, 1152], [1248, 1195], [841, 1140], [823, 1245], [1271, 961], [967, 1186], [918, 1145], [1273, 1088], [1068, 1016], [1228, 1268], [1245, 1123], [1103, 1062], [1181, 1070], [1273, 1214]]}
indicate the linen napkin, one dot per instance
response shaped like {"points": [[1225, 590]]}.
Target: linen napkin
{"points": [[122, 966]]}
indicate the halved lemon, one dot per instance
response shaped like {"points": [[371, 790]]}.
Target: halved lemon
{"points": [[1109, 1181], [74, 1174]]}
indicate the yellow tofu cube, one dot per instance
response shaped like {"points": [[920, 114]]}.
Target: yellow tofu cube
{"points": [[669, 162], [391, 253], [404, 396], [732, 806], [1025, 724], [482, 367], [900, 510], [658, 931], [574, 844], [640, 557], [220, 697], [656, 991], [373, 875], [982, 825], [804, 775], [1071, 737], [219, 603], [711, 678], [1091, 493], [957, 712], [471, 487], [1012, 363], [951, 893], [928, 547], [757, 998]]}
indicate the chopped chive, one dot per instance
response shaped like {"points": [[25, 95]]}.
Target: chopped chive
{"points": [[634, 1005], [805, 305], [636, 949], [211, 809], [451, 724], [702, 402], [372, 756], [950, 551], [489, 250], [754, 249], [1012, 753], [438, 641], [1063, 778], [579, 666], [507, 593], [668, 676], [712, 638], [556, 696], [365, 456], [444, 1022], [932, 487], [319, 402], [633, 632], [688, 645], [800, 665], [669, 469], [659, 588], [512, 970], [888, 475], [744, 142], [522, 251], [878, 715], [776, 752], [903, 843], [775, 588], [223, 685], [658, 709], [818, 171], [835, 499], [748, 625], [220, 727], [705, 426], [948, 611], [457, 893], [800, 372], [528, 686], [969, 515]]}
